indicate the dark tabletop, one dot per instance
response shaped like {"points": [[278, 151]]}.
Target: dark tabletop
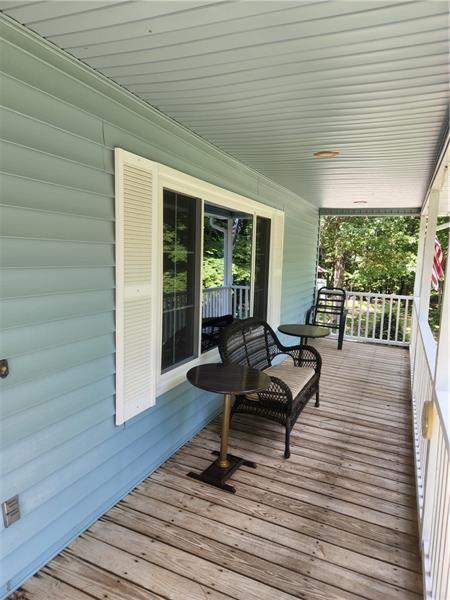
{"points": [[312, 331], [228, 379]]}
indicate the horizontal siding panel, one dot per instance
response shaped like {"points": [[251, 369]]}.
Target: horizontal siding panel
{"points": [[35, 103], [24, 340], [42, 253], [101, 489], [28, 367], [39, 195], [81, 440], [33, 420], [36, 487], [56, 435], [27, 162], [114, 455], [29, 132], [46, 387], [29, 223], [142, 139], [41, 281], [21, 312]]}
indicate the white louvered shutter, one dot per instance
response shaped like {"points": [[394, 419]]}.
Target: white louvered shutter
{"points": [[136, 284]]}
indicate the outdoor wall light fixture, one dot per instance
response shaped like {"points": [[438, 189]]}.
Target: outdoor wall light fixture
{"points": [[359, 201], [326, 154]]}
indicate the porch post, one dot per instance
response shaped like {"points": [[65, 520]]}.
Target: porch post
{"points": [[228, 264], [420, 250], [430, 236]]}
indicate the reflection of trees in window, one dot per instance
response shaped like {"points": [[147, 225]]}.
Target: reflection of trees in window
{"points": [[180, 277], [262, 258], [213, 258], [242, 253]]}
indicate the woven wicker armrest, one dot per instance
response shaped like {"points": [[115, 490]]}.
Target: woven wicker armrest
{"points": [[303, 356], [310, 357]]}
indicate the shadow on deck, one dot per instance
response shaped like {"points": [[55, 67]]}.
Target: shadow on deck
{"points": [[336, 520]]}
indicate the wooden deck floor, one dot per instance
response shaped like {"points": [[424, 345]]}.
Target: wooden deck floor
{"points": [[336, 520]]}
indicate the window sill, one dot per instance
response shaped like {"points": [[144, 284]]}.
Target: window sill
{"points": [[177, 376]]}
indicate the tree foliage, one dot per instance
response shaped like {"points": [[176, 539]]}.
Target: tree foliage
{"points": [[213, 263], [376, 254]]}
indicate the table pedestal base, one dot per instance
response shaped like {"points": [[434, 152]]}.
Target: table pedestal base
{"points": [[217, 476]]}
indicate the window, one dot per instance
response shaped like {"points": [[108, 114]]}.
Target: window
{"points": [[262, 261], [180, 289], [227, 270], [165, 220]]}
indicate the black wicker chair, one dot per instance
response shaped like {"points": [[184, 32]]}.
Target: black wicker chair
{"points": [[252, 342], [329, 311]]}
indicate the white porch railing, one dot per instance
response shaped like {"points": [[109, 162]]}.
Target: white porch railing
{"points": [[381, 318], [432, 461], [227, 300]]}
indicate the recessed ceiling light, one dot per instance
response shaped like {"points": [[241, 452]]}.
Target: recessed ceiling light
{"points": [[326, 153], [359, 201]]}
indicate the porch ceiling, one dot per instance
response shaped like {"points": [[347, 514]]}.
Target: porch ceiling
{"points": [[272, 82]]}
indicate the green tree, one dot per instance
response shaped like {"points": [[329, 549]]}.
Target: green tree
{"points": [[376, 254], [213, 265]]}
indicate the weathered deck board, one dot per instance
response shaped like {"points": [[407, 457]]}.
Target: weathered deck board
{"points": [[335, 521]]}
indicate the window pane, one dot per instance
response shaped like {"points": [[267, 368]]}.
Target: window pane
{"points": [[181, 261], [262, 257]]}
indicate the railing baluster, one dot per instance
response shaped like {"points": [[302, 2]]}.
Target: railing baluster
{"points": [[240, 302], [405, 320], [359, 315], [383, 308], [390, 318], [352, 314], [398, 319], [374, 327], [366, 334]]}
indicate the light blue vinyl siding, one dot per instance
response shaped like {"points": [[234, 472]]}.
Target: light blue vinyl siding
{"points": [[61, 451]]}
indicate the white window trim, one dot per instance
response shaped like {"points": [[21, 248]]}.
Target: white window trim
{"points": [[186, 184]]}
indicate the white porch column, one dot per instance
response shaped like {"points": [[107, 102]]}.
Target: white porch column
{"points": [[428, 251], [228, 254], [228, 265], [420, 250]]}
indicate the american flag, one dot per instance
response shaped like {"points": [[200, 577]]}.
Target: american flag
{"points": [[437, 273]]}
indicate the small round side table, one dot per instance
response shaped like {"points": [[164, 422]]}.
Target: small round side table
{"points": [[227, 380]]}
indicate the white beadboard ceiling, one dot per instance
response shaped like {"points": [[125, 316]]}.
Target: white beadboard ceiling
{"points": [[272, 82]]}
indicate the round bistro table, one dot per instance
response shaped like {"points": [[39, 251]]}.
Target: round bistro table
{"points": [[304, 331], [227, 380]]}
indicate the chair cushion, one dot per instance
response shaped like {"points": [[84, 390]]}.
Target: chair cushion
{"points": [[294, 377]]}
